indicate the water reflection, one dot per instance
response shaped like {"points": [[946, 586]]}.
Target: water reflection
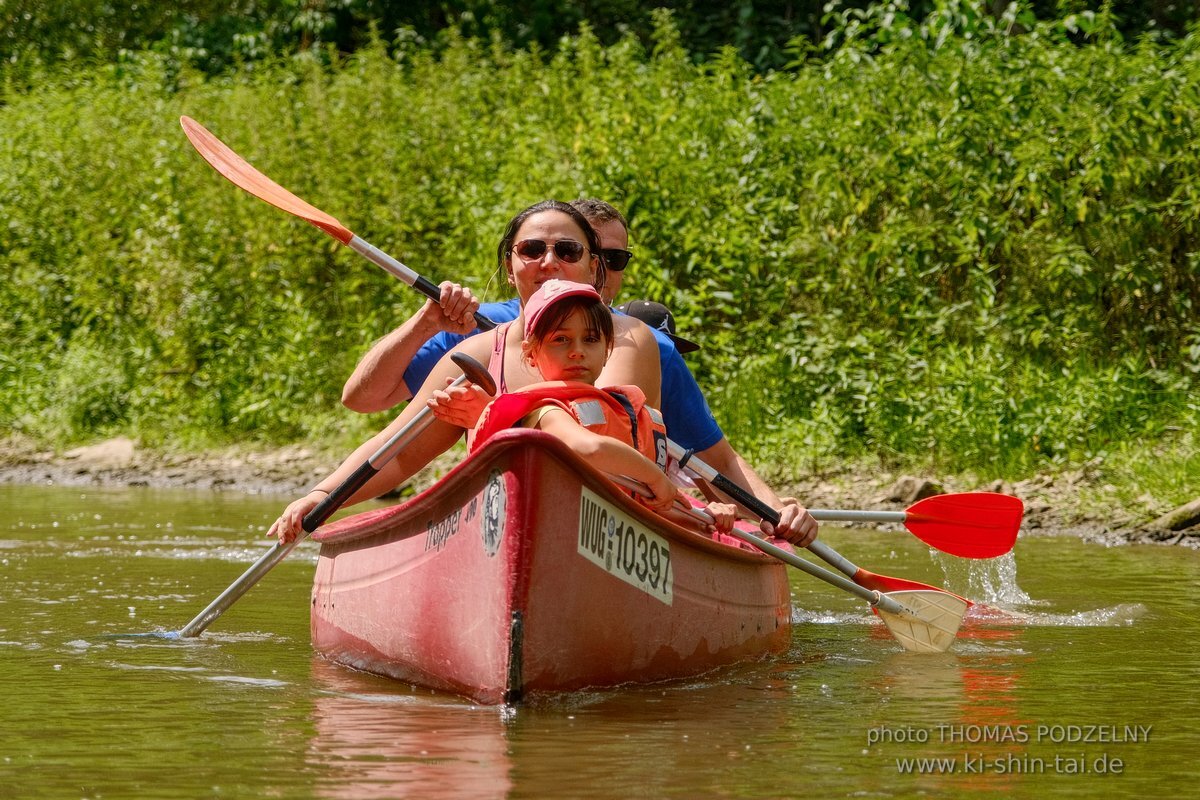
{"points": [[1095, 636], [374, 740]]}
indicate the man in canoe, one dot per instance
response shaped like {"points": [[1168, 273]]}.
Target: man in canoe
{"points": [[547, 240], [660, 319], [405, 357]]}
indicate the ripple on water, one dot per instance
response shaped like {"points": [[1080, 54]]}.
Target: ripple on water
{"points": [[805, 616], [156, 667], [187, 551], [248, 681], [983, 615]]}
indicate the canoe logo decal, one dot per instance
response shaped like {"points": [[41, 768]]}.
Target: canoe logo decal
{"points": [[625, 548], [438, 533], [495, 500]]}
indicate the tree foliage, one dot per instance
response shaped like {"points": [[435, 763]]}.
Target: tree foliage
{"points": [[214, 35], [967, 239]]}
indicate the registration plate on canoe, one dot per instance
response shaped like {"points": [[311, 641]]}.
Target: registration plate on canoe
{"points": [[625, 548]]}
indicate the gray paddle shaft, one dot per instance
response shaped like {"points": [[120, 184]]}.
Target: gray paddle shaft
{"points": [[877, 599], [418, 282], [841, 515]]}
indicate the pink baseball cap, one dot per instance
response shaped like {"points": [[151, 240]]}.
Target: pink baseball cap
{"points": [[550, 293]]}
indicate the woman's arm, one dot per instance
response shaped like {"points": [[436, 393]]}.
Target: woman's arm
{"points": [[377, 383], [432, 442]]}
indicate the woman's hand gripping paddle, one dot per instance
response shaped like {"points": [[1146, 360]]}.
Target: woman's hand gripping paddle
{"points": [[473, 372], [239, 172]]}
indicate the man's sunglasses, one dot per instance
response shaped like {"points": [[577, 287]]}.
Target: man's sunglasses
{"points": [[616, 260], [567, 250]]}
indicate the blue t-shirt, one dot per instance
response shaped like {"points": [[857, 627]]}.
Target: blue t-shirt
{"points": [[686, 414]]}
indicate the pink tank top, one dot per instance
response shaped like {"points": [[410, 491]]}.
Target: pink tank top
{"points": [[496, 362]]}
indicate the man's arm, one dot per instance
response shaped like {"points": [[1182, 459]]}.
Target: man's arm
{"points": [[377, 382], [795, 523]]}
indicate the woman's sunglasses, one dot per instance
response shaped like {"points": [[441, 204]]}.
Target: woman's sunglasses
{"points": [[567, 250], [616, 260]]}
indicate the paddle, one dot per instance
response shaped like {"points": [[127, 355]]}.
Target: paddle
{"points": [[923, 619], [473, 371], [966, 524], [224, 160], [862, 577]]}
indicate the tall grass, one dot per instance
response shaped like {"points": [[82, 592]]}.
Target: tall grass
{"points": [[980, 251]]}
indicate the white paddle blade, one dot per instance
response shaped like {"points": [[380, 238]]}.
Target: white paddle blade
{"points": [[931, 622]]}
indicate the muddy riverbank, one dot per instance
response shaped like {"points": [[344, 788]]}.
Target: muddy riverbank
{"points": [[1051, 501]]}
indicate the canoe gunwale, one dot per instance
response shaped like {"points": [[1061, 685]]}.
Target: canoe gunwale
{"points": [[383, 521]]}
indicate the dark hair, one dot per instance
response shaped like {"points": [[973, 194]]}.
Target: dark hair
{"points": [[596, 313], [598, 212], [514, 225]]}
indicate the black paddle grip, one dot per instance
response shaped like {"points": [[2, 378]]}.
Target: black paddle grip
{"points": [[476, 373], [745, 498], [434, 293], [428, 288], [483, 322], [338, 497]]}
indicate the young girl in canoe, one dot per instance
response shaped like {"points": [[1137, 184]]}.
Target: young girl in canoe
{"points": [[568, 337]]}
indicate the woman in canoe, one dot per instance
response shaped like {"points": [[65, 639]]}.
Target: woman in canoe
{"points": [[547, 240]]}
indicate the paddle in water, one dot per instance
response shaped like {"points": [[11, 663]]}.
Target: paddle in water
{"points": [[240, 173], [923, 618]]}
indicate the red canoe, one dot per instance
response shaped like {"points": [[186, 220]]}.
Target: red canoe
{"points": [[524, 571]]}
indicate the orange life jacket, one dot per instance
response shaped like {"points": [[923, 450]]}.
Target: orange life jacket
{"points": [[617, 411]]}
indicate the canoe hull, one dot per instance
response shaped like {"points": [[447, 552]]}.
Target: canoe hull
{"points": [[525, 571]]}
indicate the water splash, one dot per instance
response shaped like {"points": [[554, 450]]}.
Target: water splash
{"points": [[1124, 614], [991, 581], [1113, 616], [999, 601]]}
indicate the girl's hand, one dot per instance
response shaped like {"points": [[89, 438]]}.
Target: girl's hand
{"points": [[664, 493], [459, 405], [288, 526]]}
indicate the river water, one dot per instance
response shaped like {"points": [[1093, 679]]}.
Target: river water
{"points": [[1087, 685]]}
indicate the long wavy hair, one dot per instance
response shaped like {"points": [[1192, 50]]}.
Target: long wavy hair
{"points": [[514, 225]]}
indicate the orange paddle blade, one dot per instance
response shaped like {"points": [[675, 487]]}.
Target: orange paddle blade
{"points": [[968, 524], [239, 172], [885, 584]]}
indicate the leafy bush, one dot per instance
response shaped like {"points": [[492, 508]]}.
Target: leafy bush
{"points": [[977, 246], [219, 35]]}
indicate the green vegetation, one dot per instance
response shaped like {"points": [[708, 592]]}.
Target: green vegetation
{"points": [[964, 243], [219, 35]]}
